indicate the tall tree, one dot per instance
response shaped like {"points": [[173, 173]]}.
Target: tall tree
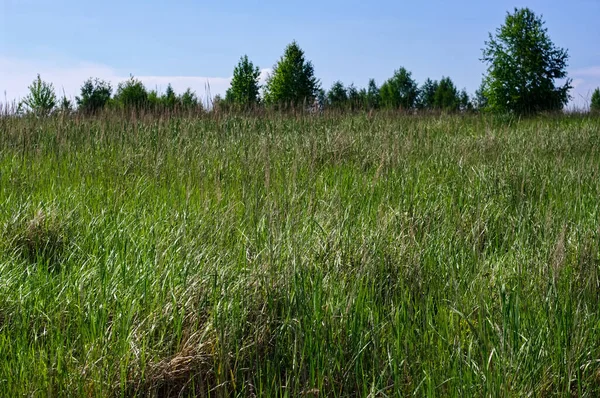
{"points": [[465, 101], [354, 100], [523, 65], [95, 94], [169, 98], [293, 80], [41, 99], [337, 97], [427, 94], [244, 85], [372, 95], [480, 101], [446, 95], [400, 91]]}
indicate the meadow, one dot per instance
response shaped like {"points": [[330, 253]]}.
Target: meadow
{"points": [[283, 256]]}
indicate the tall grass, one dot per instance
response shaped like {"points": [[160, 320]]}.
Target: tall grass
{"points": [[300, 256]]}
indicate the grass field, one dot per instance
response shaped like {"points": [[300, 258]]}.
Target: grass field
{"points": [[300, 256]]}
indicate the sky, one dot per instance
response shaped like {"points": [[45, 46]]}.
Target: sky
{"points": [[198, 43]]}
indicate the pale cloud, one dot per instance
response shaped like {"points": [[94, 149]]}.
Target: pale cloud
{"points": [[592, 71], [17, 74], [585, 81]]}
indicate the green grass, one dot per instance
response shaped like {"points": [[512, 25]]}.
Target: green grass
{"points": [[281, 256]]}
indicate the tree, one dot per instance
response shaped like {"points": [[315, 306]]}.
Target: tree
{"points": [[244, 88], [41, 99], [595, 105], [189, 100], [131, 94], [446, 95], [427, 94], [337, 96], [372, 95], [153, 100], [465, 103], [66, 105], [400, 91], [169, 99], [354, 100], [95, 94], [480, 102], [523, 65], [293, 80]]}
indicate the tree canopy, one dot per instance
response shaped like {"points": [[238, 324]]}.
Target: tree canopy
{"points": [[244, 88], [400, 91], [293, 80], [523, 66], [41, 99], [95, 94]]}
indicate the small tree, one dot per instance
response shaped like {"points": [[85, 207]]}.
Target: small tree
{"points": [[293, 80], [41, 99], [95, 94], [131, 94], [244, 88], [523, 65], [336, 96], [595, 105]]}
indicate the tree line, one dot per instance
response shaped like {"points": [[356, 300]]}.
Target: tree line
{"points": [[523, 70]]}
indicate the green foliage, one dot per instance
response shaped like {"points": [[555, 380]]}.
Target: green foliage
{"points": [[41, 99], [446, 96], [350, 98], [189, 101], [244, 88], [66, 105], [131, 94], [154, 101], [400, 91], [523, 65], [372, 99], [355, 101], [169, 99], [337, 97], [480, 102], [426, 99], [95, 95], [293, 80], [595, 104], [465, 102]]}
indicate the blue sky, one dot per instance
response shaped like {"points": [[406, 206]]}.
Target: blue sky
{"points": [[190, 43]]}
